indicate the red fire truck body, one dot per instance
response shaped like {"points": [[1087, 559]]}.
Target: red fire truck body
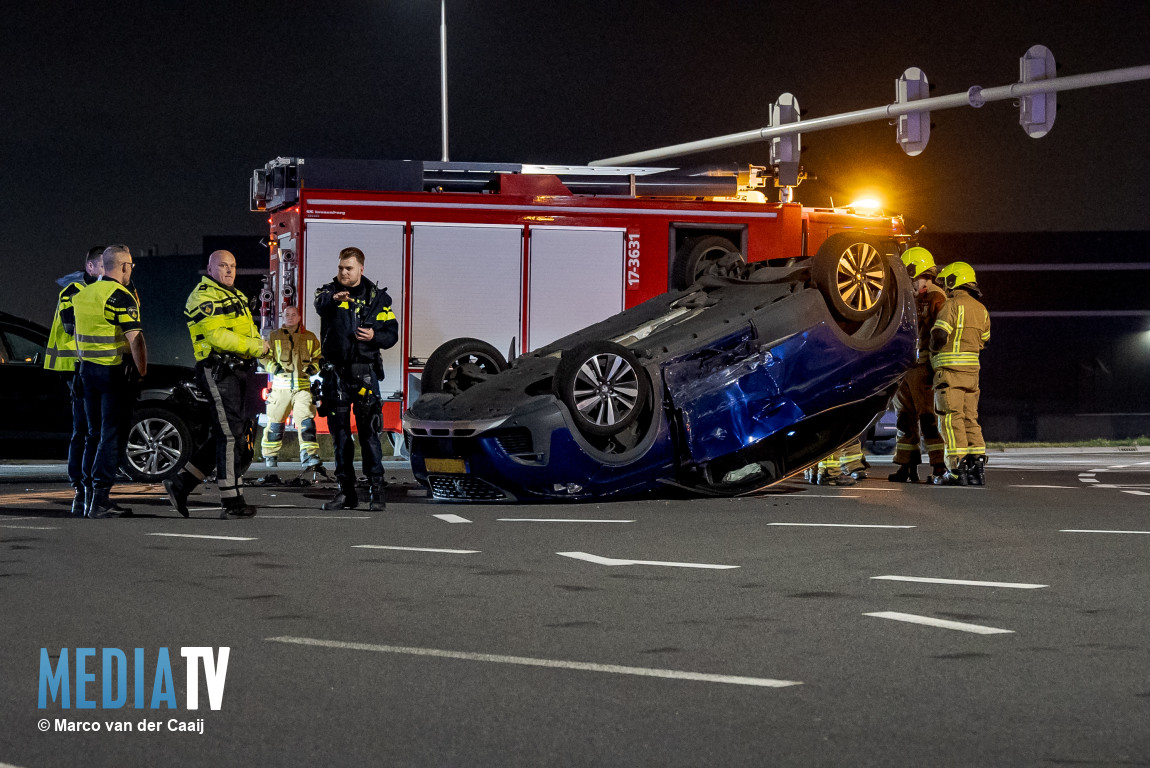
{"points": [[523, 255]]}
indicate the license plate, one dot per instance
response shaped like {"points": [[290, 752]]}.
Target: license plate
{"points": [[446, 466]]}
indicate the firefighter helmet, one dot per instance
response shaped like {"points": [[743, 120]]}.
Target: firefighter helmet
{"points": [[958, 275], [919, 261]]}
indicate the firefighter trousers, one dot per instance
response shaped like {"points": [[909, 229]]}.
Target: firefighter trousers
{"points": [[956, 402], [847, 460], [917, 422], [229, 449], [299, 402]]}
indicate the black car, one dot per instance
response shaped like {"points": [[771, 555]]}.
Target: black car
{"points": [[169, 420]]}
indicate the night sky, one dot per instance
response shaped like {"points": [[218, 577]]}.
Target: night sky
{"points": [[143, 126]]}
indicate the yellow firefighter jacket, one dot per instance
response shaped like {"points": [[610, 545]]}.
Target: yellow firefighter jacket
{"points": [[967, 325], [292, 359]]}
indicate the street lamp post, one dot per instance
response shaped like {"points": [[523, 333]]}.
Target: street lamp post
{"points": [[443, 70]]}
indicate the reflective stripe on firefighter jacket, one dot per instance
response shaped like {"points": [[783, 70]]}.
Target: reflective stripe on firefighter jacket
{"points": [[927, 305], [219, 321], [292, 359], [61, 353], [102, 317], [967, 325]]}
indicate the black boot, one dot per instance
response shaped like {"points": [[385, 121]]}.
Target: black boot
{"points": [[178, 491], [976, 469], [937, 471], [122, 511], [345, 498], [78, 503], [101, 506], [377, 496], [907, 473], [956, 476], [237, 508]]}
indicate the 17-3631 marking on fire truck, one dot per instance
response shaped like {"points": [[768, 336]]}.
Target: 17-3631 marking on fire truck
{"points": [[632, 261]]}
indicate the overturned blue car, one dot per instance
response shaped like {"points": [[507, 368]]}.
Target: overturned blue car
{"points": [[724, 388]]}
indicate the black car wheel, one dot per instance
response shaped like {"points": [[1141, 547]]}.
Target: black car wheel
{"points": [[159, 444], [460, 363], [701, 256], [852, 272], [603, 385]]}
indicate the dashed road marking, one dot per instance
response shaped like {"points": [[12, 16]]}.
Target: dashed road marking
{"points": [[1066, 487], [911, 618], [314, 517], [1084, 530], [555, 520], [599, 560], [1138, 493], [965, 582], [672, 674], [842, 525], [418, 549], [32, 527], [449, 518], [202, 536]]}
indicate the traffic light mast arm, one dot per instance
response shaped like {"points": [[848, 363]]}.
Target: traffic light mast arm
{"points": [[974, 96]]}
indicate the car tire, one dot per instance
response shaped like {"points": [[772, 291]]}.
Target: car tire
{"points": [[853, 272], [458, 364], [159, 444], [699, 256], [604, 387]]}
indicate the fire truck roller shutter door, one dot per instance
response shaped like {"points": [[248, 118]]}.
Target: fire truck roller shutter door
{"points": [[382, 245], [577, 278]]}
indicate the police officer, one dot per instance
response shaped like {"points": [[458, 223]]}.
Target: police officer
{"points": [[225, 343], [292, 360], [61, 356], [107, 325], [914, 400], [356, 323], [960, 331]]}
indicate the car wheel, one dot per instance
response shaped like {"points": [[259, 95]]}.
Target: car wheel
{"points": [[603, 385], [853, 273], [159, 444], [459, 364], [700, 256]]}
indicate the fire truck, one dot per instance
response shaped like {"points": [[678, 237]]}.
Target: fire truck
{"points": [[518, 256]]}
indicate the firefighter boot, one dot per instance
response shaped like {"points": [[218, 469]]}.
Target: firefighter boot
{"points": [[976, 469], [78, 503], [345, 498], [956, 476], [101, 506], [178, 492], [377, 496], [937, 471], [907, 473], [237, 508]]}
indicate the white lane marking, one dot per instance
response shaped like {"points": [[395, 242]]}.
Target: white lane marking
{"points": [[911, 618], [925, 580], [452, 518], [417, 549], [1085, 530], [555, 520], [1088, 480], [8, 765], [884, 490], [599, 560], [10, 519], [842, 525], [32, 527], [1100, 469], [673, 674], [809, 496], [313, 517], [1138, 493], [1067, 487], [199, 536]]}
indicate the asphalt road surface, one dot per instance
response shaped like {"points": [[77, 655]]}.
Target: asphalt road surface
{"points": [[885, 625]]}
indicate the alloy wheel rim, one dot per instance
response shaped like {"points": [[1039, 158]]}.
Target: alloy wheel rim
{"points": [[154, 446], [860, 276], [606, 389]]}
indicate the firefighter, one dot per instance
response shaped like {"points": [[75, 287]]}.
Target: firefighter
{"points": [[914, 400], [960, 331], [356, 323], [226, 344], [107, 327], [293, 358], [843, 467], [61, 356]]}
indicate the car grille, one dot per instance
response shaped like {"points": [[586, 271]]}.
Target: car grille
{"points": [[464, 488], [515, 442]]}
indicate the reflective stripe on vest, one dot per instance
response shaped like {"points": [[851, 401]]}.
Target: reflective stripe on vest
{"points": [[98, 339]]}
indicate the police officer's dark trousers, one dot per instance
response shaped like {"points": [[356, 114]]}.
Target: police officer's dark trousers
{"points": [[229, 448], [369, 423], [81, 450], [105, 399]]}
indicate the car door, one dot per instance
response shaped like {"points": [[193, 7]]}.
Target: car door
{"points": [[37, 399]]}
